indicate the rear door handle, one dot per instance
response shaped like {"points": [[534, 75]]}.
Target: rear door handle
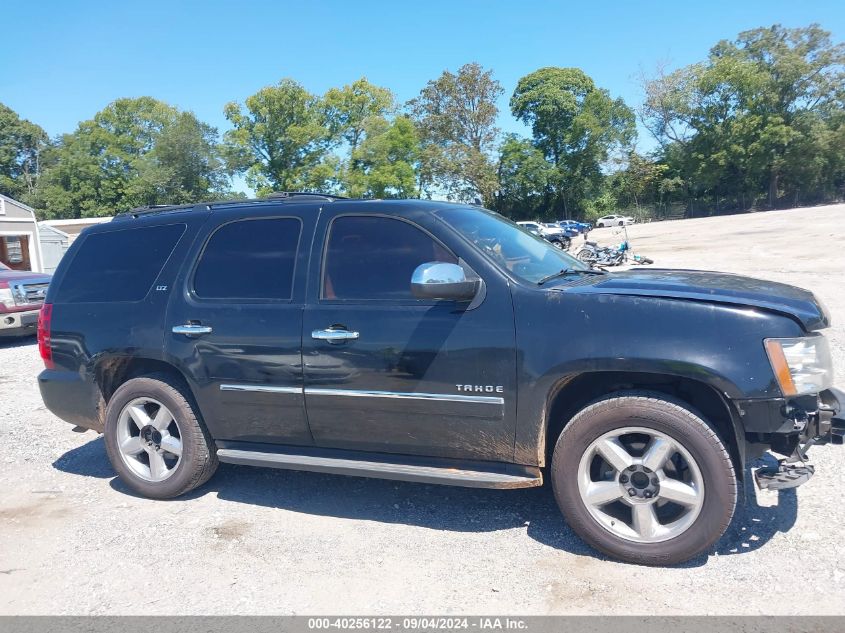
{"points": [[334, 335], [191, 329]]}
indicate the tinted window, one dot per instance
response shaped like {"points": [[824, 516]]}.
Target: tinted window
{"points": [[118, 265], [250, 259], [374, 257]]}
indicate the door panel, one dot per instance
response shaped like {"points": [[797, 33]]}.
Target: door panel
{"points": [[247, 287], [426, 378]]}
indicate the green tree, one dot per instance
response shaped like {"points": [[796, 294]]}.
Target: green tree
{"points": [[383, 164], [576, 125], [525, 178], [134, 152], [753, 121], [456, 117], [348, 109], [22, 144], [280, 139]]}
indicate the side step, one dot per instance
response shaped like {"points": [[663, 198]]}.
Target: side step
{"points": [[784, 476], [499, 476]]}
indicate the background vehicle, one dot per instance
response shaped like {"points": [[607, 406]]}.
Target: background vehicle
{"points": [[594, 255], [614, 220], [398, 339], [21, 296], [558, 237], [581, 227]]}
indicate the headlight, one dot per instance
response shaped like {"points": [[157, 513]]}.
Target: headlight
{"points": [[6, 297], [801, 365]]}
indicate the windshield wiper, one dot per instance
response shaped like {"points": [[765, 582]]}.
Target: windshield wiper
{"points": [[569, 271]]}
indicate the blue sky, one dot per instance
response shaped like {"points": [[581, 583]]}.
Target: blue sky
{"points": [[67, 60]]}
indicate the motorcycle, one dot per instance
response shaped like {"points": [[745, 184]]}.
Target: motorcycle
{"points": [[594, 255]]}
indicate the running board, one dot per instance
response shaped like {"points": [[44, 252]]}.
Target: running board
{"points": [[500, 476]]}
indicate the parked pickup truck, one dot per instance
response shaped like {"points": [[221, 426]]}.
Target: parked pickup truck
{"points": [[21, 296], [404, 339]]}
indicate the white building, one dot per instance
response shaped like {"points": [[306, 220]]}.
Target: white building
{"points": [[20, 243]]}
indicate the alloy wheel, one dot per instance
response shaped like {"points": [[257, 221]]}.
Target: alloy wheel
{"points": [[149, 439], [641, 485]]}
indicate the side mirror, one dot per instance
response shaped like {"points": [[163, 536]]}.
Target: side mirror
{"points": [[439, 280]]}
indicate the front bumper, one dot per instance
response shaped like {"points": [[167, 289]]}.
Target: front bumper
{"points": [[19, 323], [828, 427], [810, 421]]}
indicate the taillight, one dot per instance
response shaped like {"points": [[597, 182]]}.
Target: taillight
{"points": [[45, 323]]}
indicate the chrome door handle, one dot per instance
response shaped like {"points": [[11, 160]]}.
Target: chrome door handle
{"points": [[191, 329], [334, 336]]}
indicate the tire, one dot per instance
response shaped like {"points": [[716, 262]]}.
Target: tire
{"points": [[706, 485], [586, 256], [197, 457], [621, 223], [557, 244]]}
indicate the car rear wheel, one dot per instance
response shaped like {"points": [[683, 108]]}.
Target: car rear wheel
{"points": [[155, 441], [644, 479]]}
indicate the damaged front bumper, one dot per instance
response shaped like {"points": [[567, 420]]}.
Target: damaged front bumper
{"points": [[816, 421]]}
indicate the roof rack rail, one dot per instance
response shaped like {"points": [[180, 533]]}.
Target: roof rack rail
{"points": [[276, 196], [292, 194]]}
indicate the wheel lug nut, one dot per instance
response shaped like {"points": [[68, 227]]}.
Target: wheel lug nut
{"points": [[654, 481], [623, 479], [648, 494], [632, 492]]}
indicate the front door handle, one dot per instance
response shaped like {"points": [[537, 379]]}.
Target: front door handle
{"points": [[333, 335], [191, 329]]}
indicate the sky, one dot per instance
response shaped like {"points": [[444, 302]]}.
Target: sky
{"points": [[63, 61]]}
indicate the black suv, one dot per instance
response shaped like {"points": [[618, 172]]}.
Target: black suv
{"points": [[416, 340]]}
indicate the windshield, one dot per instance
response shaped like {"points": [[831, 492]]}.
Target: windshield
{"points": [[525, 255]]}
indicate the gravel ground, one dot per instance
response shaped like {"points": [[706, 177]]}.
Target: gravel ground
{"points": [[74, 541]]}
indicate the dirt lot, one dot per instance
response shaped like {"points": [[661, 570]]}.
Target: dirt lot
{"points": [[73, 541]]}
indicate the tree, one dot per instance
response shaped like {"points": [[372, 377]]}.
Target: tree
{"points": [[456, 117], [134, 152], [576, 125], [384, 162], [753, 120], [525, 178], [21, 146], [280, 141], [348, 109]]}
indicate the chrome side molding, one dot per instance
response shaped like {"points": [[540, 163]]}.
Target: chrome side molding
{"points": [[261, 389], [440, 397], [357, 393]]}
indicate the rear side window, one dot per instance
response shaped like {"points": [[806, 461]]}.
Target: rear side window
{"points": [[118, 265], [249, 259], [373, 257]]}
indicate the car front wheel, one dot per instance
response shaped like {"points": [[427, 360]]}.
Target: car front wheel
{"points": [[644, 479]]}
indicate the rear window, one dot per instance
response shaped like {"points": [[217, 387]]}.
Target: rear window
{"points": [[118, 265], [249, 259]]}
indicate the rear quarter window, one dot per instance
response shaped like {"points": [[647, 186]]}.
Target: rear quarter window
{"points": [[118, 266]]}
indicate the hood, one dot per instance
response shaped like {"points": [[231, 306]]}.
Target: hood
{"points": [[713, 287], [23, 275]]}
